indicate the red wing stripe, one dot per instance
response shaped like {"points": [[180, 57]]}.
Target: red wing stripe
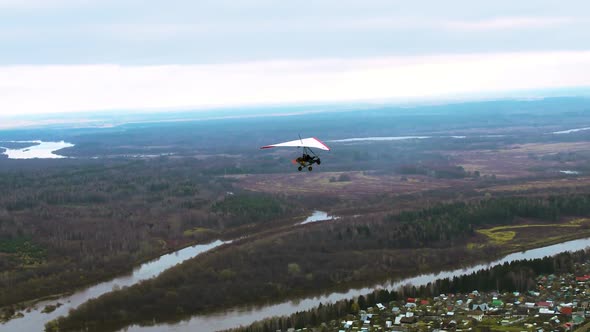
{"points": [[267, 147], [322, 143]]}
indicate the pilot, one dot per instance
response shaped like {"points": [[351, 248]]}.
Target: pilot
{"points": [[305, 158]]}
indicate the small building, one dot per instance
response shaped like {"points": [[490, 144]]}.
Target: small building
{"points": [[497, 303], [566, 311], [544, 304], [408, 320], [482, 306], [476, 314], [546, 311]]}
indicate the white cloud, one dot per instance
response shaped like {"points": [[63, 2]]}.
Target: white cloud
{"points": [[506, 23], [50, 88], [41, 4], [132, 30]]}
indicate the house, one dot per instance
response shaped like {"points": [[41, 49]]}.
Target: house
{"points": [[566, 310], [544, 304], [380, 306], [410, 305], [476, 314], [546, 311], [363, 315], [497, 303], [522, 311], [483, 307], [577, 319], [451, 325], [408, 320]]}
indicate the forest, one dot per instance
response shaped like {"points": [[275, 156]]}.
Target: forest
{"points": [[56, 225], [320, 258]]}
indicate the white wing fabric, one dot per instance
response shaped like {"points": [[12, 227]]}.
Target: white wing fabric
{"points": [[310, 142]]}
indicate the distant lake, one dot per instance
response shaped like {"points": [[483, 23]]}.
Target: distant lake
{"points": [[386, 138], [568, 172], [37, 150], [318, 216], [569, 131], [403, 138]]}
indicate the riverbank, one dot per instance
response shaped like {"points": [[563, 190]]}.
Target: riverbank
{"points": [[309, 299], [512, 297], [32, 304], [33, 318], [215, 321], [306, 260]]}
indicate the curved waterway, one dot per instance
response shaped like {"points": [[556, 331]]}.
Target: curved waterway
{"points": [[245, 316], [35, 319]]}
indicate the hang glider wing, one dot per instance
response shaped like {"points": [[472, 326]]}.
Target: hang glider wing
{"points": [[311, 142]]}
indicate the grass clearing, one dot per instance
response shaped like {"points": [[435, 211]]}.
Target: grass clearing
{"points": [[579, 221], [498, 237], [505, 234], [198, 231]]}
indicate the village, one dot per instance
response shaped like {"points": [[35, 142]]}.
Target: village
{"points": [[559, 303]]}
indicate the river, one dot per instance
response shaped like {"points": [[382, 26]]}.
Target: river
{"points": [[245, 316], [35, 320]]}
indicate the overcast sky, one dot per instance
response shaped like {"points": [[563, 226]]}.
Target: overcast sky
{"points": [[85, 55]]}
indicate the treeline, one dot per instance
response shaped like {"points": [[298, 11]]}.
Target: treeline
{"points": [[447, 222], [305, 260], [68, 226], [508, 277], [251, 208]]}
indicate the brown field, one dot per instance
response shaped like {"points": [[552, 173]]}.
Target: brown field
{"points": [[570, 183], [522, 164], [518, 160], [360, 183]]}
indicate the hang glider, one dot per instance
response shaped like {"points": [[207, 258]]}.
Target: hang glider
{"points": [[309, 157], [310, 142]]}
